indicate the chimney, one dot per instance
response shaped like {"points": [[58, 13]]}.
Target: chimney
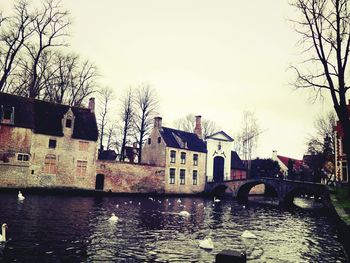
{"points": [[92, 105], [158, 122], [198, 127], [274, 155]]}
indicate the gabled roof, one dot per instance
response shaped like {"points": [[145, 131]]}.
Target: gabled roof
{"points": [[46, 117], [236, 162], [296, 163], [189, 141], [214, 136]]}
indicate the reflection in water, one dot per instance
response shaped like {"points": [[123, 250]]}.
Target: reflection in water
{"points": [[77, 229]]}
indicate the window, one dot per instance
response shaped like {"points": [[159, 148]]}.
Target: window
{"points": [[195, 159], [23, 157], [159, 139], [83, 146], [81, 168], [194, 177], [172, 176], [183, 158], [149, 141], [172, 156], [344, 171], [7, 114], [50, 164], [182, 176], [52, 143], [68, 123]]}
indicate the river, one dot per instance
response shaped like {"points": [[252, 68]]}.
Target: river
{"points": [[58, 228]]}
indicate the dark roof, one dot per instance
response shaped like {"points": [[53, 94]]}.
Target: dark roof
{"points": [[191, 140], [109, 155], [46, 117], [236, 162], [23, 107], [85, 125]]}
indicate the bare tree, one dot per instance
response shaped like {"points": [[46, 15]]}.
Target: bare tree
{"points": [[105, 98], [247, 139], [127, 116], [325, 34], [209, 127], [188, 124], [324, 126], [60, 76], [146, 106], [83, 83], [111, 136], [50, 25], [15, 31]]}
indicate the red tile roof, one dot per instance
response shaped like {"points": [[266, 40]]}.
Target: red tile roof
{"points": [[297, 163]]}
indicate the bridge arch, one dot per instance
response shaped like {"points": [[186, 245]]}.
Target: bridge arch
{"points": [[222, 189], [243, 190], [302, 190]]}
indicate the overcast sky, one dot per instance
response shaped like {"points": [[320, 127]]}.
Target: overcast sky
{"points": [[213, 58]]}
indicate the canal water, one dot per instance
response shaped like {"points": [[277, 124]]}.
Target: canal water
{"points": [[56, 228]]}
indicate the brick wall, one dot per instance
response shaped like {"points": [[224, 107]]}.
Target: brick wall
{"points": [[14, 141], [67, 153], [131, 178]]}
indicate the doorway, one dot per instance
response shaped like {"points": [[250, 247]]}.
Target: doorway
{"points": [[100, 180], [218, 174]]}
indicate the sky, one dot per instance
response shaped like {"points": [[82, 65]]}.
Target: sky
{"points": [[211, 58]]}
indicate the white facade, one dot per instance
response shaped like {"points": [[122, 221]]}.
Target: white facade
{"points": [[219, 145], [284, 168]]}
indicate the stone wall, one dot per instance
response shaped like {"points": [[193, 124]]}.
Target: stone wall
{"points": [[131, 178], [153, 151], [66, 155]]}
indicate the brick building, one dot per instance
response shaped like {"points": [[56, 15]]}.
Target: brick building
{"points": [[341, 166], [45, 144], [183, 154]]}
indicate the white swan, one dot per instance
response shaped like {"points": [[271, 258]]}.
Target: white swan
{"points": [[113, 218], [248, 234], [184, 213], [20, 196], [206, 243], [216, 200], [3, 233]]}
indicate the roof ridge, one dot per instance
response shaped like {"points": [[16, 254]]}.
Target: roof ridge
{"points": [[178, 130]]}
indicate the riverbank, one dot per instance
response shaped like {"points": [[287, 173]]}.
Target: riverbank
{"points": [[340, 206], [73, 191]]}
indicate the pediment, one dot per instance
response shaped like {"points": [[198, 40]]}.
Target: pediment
{"points": [[220, 136]]}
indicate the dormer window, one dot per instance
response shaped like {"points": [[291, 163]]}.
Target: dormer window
{"points": [[7, 114], [68, 123]]}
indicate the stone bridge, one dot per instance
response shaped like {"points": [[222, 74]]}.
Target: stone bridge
{"points": [[285, 190]]}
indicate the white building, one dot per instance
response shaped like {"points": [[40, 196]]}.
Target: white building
{"points": [[219, 147]]}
